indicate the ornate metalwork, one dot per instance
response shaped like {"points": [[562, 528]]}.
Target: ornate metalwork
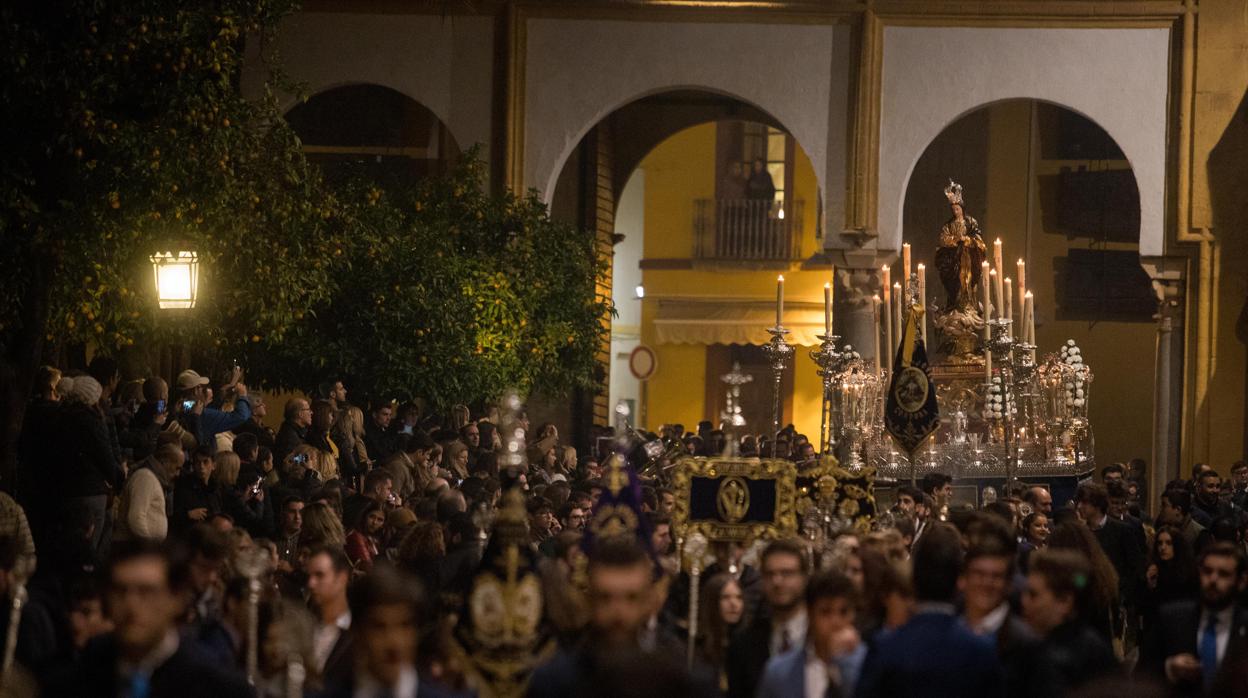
{"points": [[783, 521], [779, 353]]}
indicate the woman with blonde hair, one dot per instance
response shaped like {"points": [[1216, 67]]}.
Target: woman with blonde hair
{"points": [[348, 434], [457, 459], [321, 526], [460, 416], [243, 501]]}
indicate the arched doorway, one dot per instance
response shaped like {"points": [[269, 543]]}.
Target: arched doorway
{"points": [[1061, 195], [373, 130], [695, 251]]}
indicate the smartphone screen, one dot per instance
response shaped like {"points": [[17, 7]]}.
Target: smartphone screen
{"points": [[160, 406], [188, 405]]}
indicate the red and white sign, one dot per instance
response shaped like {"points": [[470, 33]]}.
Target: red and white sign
{"points": [[642, 362]]}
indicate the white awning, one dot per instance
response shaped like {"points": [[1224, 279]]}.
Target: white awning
{"points": [[734, 322]]}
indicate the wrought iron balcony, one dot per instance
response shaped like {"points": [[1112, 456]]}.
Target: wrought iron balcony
{"points": [[747, 230]]}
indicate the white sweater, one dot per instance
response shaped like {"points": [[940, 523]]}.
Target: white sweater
{"points": [[141, 511]]}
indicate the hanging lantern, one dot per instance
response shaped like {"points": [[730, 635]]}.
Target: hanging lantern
{"points": [[177, 278]]}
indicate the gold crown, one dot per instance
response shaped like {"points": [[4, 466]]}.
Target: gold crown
{"points": [[953, 193]]}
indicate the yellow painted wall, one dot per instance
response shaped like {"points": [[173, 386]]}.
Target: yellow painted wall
{"points": [[1218, 428], [678, 171]]}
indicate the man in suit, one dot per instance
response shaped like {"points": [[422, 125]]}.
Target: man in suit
{"points": [[781, 624], [624, 598], [985, 587], [933, 652], [829, 662], [1117, 539], [329, 571], [385, 608], [1193, 639], [144, 655]]}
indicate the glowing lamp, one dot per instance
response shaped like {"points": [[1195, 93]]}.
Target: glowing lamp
{"points": [[177, 278]]}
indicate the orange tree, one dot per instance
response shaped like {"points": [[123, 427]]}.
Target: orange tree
{"points": [[446, 292], [125, 130]]}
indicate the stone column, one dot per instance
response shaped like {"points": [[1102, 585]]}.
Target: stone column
{"points": [[1167, 276], [857, 281]]}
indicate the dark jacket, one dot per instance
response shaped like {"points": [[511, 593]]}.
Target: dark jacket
{"points": [[141, 435], [748, 652], [934, 655], [1125, 552], [85, 464], [1077, 654], [184, 675], [289, 437], [1017, 648], [265, 436], [584, 671], [1175, 632], [36, 456], [190, 492], [380, 443]]}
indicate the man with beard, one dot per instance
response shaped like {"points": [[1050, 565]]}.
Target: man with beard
{"points": [[623, 596], [782, 625], [1192, 639]]}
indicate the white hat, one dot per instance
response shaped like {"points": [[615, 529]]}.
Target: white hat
{"points": [[86, 390], [190, 379]]}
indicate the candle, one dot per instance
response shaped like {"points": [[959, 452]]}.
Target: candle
{"points": [[897, 317], [779, 299], [1009, 300], [905, 268], [827, 309], [1022, 283], [887, 308], [1000, 267], [994, 282], [985, 287], [1029, 316], [987, 365], [923, 301], [875, 307]]}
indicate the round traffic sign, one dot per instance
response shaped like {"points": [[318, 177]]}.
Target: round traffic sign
{"points": [[642, 362]]}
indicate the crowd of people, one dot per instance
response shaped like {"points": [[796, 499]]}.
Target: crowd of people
{"points": [[155, 527]]}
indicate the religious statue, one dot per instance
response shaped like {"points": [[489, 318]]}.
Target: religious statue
{"points": [[958, 260]]}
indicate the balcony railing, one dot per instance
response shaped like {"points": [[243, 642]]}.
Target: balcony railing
{"points": [[747, 230]]}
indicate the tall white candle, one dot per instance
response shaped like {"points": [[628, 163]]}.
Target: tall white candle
{"points": [[1009, 300], [827, 309], [887, 287], [1021, 277], [779, 299], [1030, 312], [923, 301], [875, 311], [905, 268], [994, 280], [898, 316]]}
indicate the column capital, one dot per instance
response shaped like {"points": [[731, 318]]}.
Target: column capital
{"points": [[856, 286], [1169, 278]]}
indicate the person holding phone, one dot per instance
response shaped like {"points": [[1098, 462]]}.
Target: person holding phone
{"points": [[150, 419], [201, 419], [196, 496]]}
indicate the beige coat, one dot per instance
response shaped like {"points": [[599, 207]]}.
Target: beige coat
{"points": [[141, 509]]}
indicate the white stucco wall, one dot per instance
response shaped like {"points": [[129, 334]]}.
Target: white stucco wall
{"points": [[630, 219], [1116, 77], [445, 64], [578, 71]]}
